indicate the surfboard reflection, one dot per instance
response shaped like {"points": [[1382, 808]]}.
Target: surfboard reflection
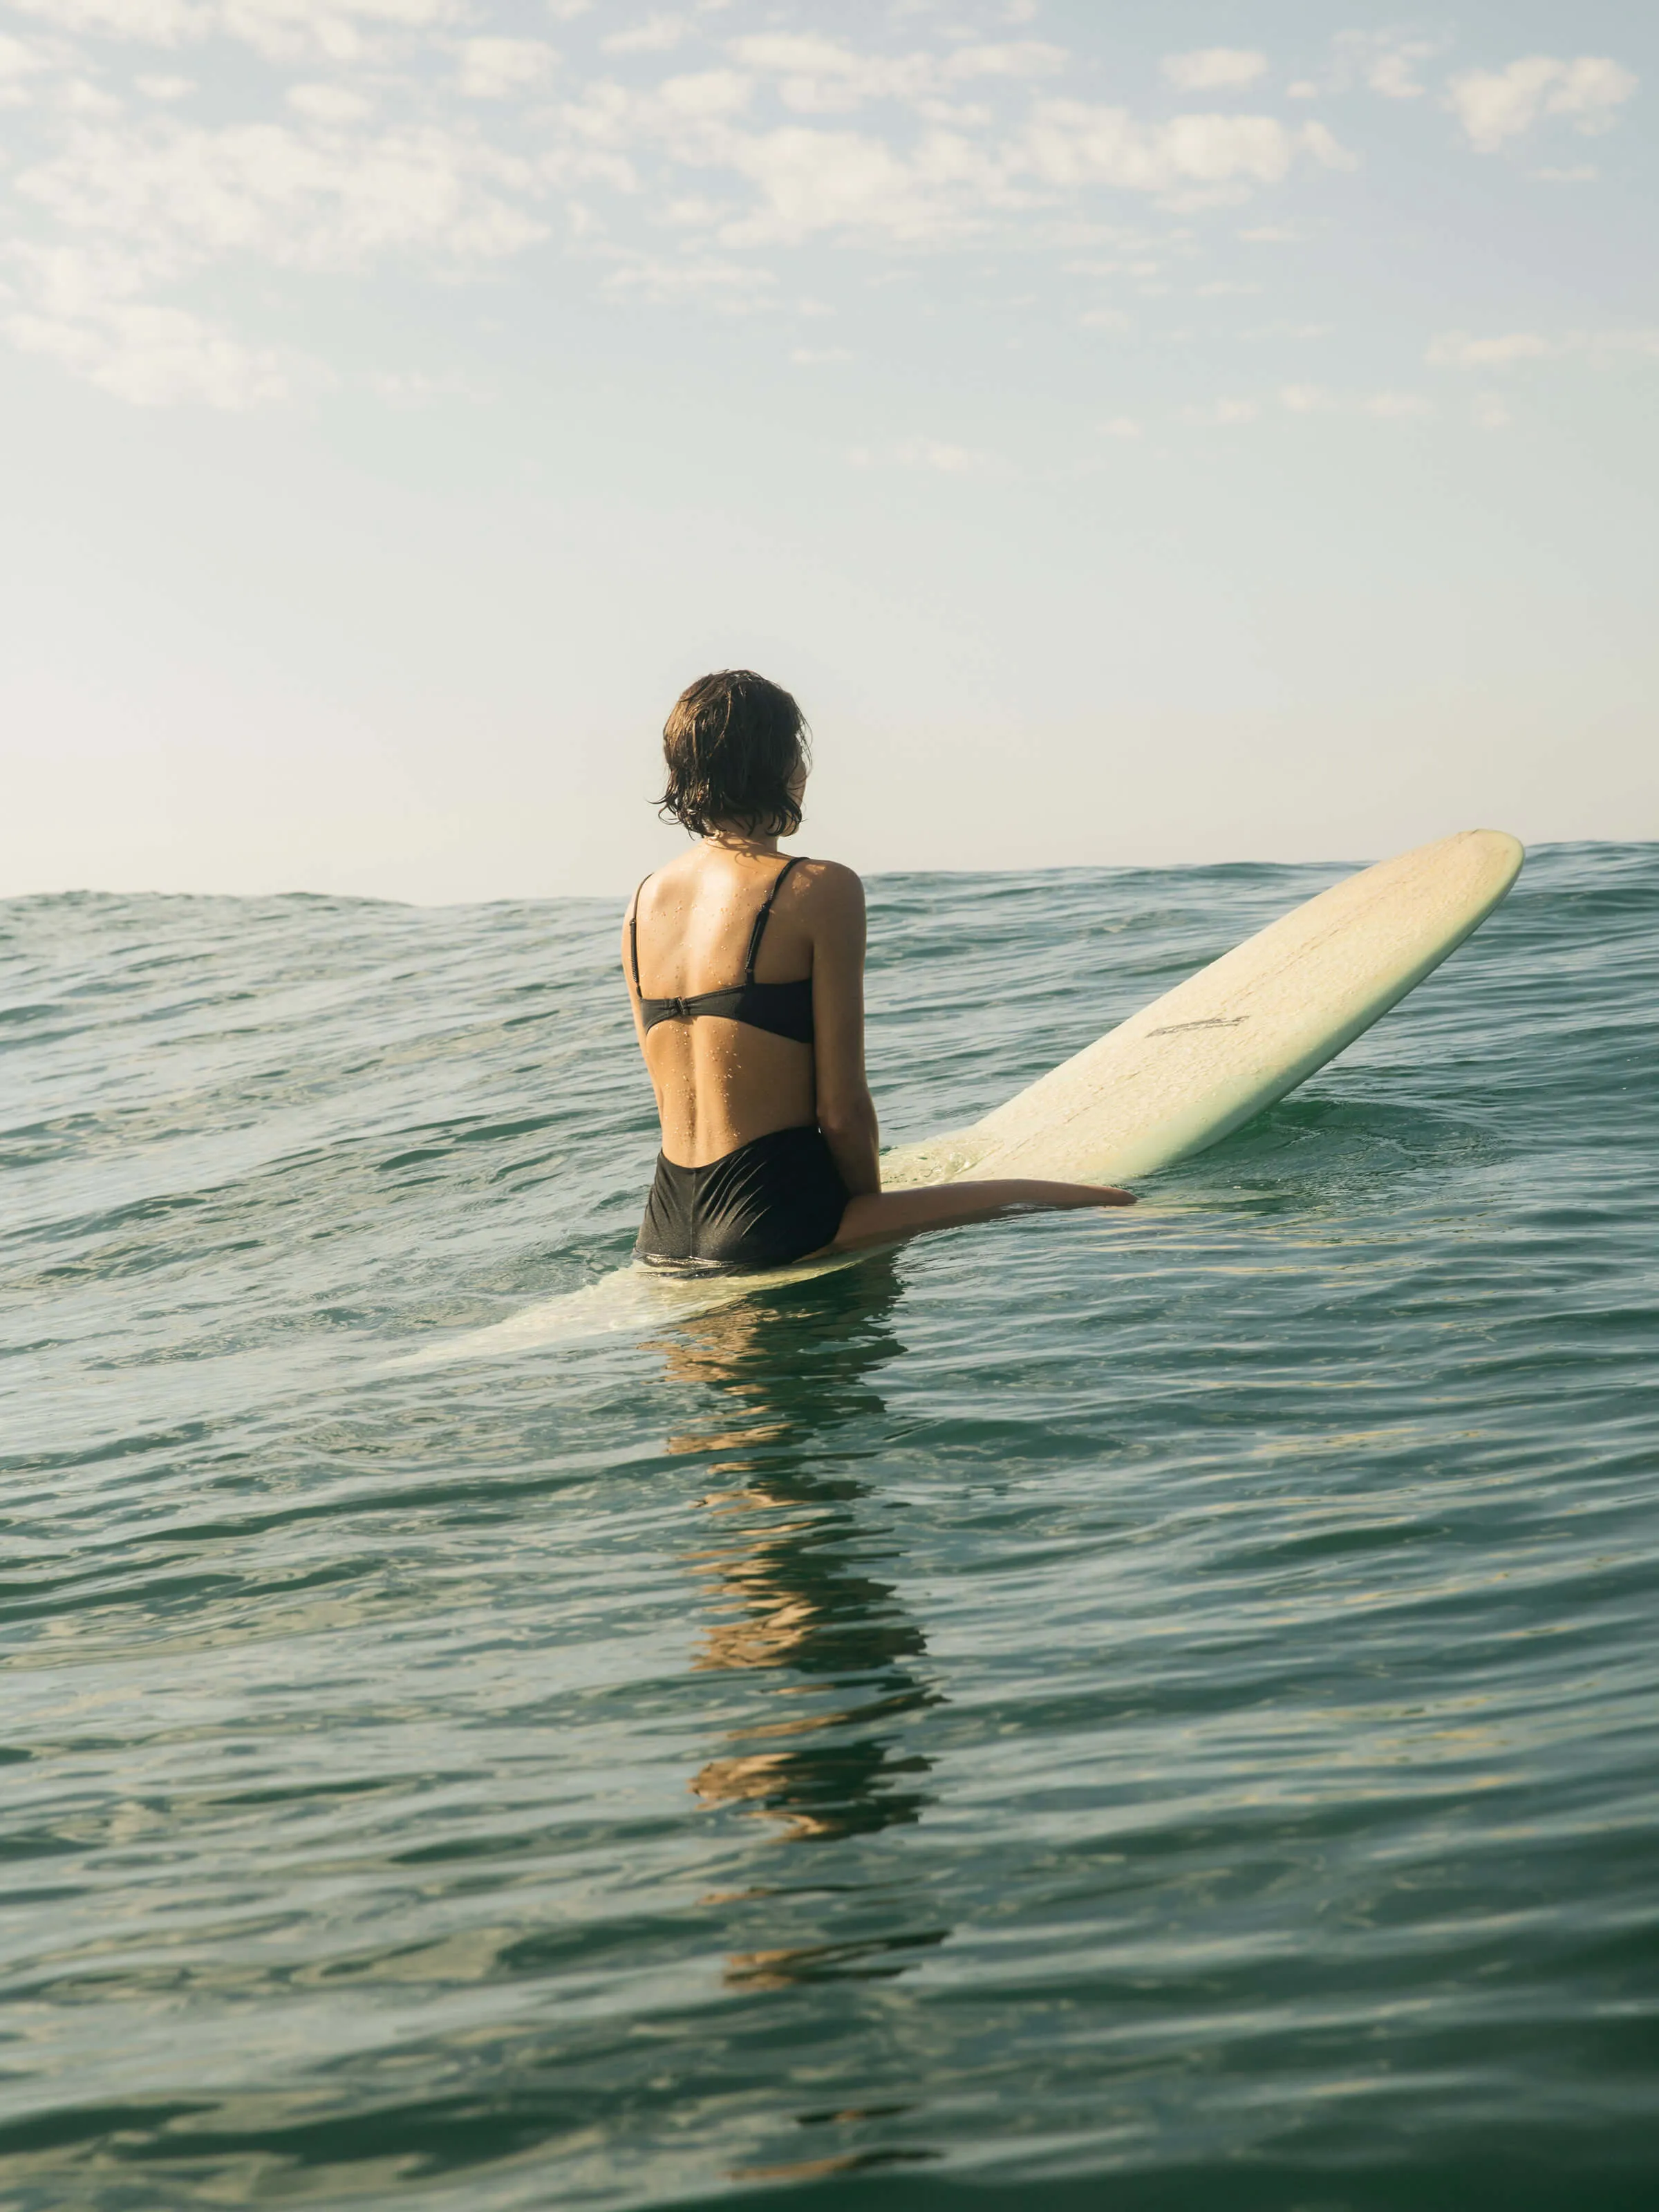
{"points": [[789, 1573]]}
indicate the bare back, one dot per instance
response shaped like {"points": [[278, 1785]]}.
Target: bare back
{"points": [[720, 1084]]}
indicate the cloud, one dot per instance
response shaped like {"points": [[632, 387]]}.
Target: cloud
{"points": [[1120, 426], [1386, 406], [335, 30], [1495, 105], [1222, 414], [818, 76], [1325, 149], [1310, 400], [1457, 350], [148, 356], [814, 181], [153, 22], [1214, 68], [328, 103], [399, 131], [180, 196], [933, 454], [1382, 61], [342, 30], [658, 35], [493, 68], [17, 59], [735, 287], [1070, 144], [1027, 58]]}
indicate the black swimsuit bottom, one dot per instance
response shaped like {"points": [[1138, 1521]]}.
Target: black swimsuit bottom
{"points": [[773, 1200], [770, 1202]]}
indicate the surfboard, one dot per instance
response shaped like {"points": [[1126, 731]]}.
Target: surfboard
{"points": [[1183, 1073]]}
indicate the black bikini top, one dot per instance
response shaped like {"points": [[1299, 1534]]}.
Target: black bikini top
{"points": [[785, 1009]]}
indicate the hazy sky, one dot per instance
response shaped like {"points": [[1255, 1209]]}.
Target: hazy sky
{"points": [[1137, 433]]}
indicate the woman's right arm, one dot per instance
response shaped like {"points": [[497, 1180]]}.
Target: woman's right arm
{"points": [[845, 1111]]}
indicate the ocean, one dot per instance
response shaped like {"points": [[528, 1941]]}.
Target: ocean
{"points": [[1152, 1711]]}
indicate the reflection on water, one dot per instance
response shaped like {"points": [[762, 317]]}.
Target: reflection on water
{"points": [[792, 1599], [790, 1591]]}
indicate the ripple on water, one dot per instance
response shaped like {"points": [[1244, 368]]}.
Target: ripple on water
{"points": [[1160, 1705]]}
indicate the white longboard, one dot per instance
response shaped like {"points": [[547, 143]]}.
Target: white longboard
{"points": [[1183, 1073]]}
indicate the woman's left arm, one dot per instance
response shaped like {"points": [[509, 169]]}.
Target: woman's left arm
{"points": [[845, 1111]]}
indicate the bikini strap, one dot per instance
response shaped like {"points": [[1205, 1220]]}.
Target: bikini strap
{"points": [[761, 918], [634, 933]]}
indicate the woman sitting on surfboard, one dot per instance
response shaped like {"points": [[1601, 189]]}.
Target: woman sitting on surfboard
{"points": [[747, 983]]}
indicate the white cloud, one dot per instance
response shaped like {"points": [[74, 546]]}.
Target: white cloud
{"points": [[1070, 144], [18, 63], [341, 30], [76, 313], [1395, 406], [1387, 406], [153, 23], [734, 286], [1222, 414], [1495, 105], [1027, 58], [493, 68], [819, 77], [180, 196], [328, 103], [1492, 411], [1324, 148], [1382, 61], [658, 35], [1214, 68], [933, 454], [816, 181], [1312, 399], [17, 59], [819, 356], [1121, 426], [1393, 75], [334, 168], [1457, 350]]}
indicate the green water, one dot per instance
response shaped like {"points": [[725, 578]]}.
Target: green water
{"points": [[1148, 1712]]}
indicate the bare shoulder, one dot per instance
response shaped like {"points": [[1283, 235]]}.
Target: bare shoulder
{"points": [[671, 881], [828, 892]]}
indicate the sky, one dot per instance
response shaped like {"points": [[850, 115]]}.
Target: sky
{"points": [[1136, 434]]}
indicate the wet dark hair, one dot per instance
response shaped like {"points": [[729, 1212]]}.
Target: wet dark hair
{"points": [[733, 744]]}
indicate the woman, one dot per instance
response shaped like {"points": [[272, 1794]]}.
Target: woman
{"points": [[747, 981]]}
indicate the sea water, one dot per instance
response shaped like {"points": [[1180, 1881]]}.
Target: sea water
{"points": [[1148, 1711]]}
